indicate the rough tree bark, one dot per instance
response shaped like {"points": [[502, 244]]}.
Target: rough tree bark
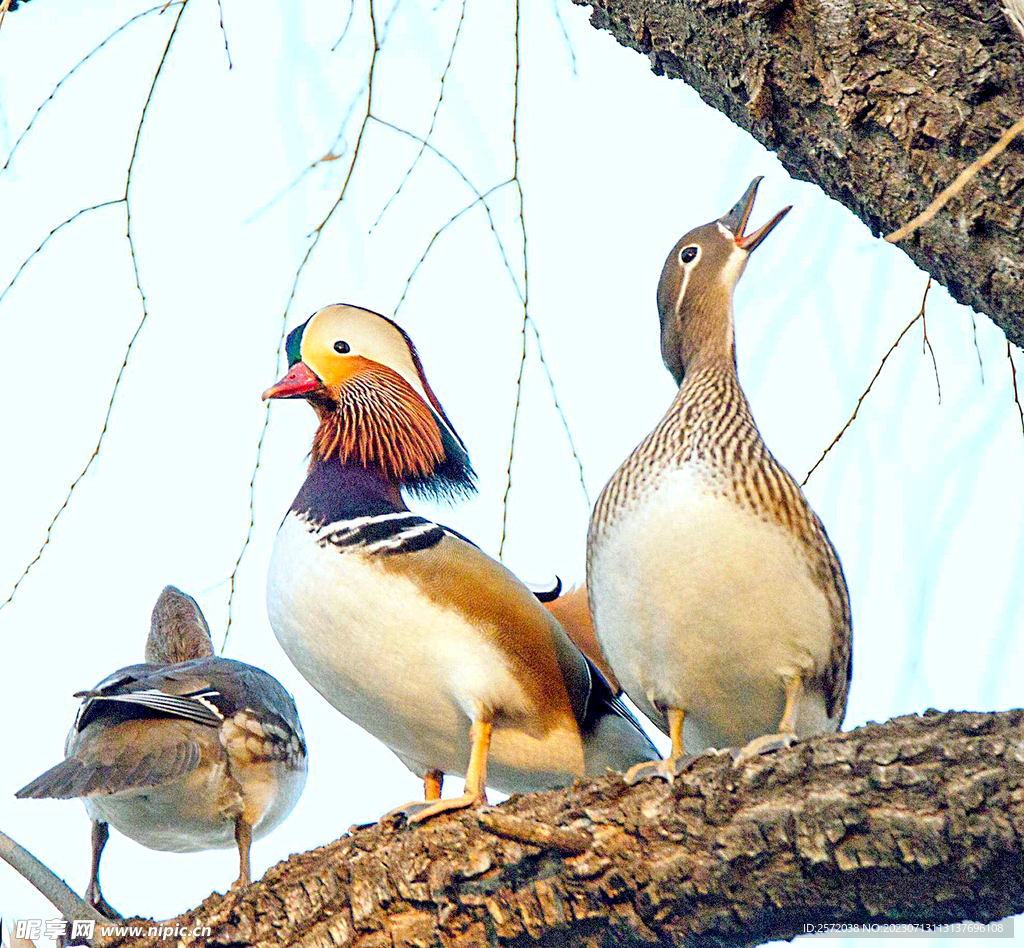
{"points": [[881, 103], [918, 819]]}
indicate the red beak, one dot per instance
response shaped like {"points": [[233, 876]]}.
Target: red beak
{"points": [[299, 380]]}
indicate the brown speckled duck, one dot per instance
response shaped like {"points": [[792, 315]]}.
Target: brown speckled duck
{"points": [[183, 753], [716, 594]]}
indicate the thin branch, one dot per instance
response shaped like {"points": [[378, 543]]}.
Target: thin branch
{"points": [[348, 23], [425, 145], [433, 121], [4, 7], [138, 16], [874, 377], [1013, 376], [328, 157], [512, 445], [481, 199], [526, 294], [565, 36], [138, 329], [926, 343], [332, 154], [54, 889], [52, 233], [88, 463], [977, 348], [149, 95], [558, 408], [959, 183], [480, 196], [315, 234], [224, 33]]}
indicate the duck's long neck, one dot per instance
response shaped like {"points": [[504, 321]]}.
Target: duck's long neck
{"points": [[334, 491], [706, 341]]}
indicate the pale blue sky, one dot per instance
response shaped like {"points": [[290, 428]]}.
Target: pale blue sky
{"points": [[922, 500]]}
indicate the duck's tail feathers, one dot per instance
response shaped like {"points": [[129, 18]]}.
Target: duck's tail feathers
{"points": [[613, 738]]}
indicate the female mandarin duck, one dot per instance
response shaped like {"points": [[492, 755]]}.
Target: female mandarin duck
{"points": [[183, 753], [716, 593], [403, 625]]}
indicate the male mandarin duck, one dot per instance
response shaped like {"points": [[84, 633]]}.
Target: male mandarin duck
{"points": [[406, 627], [186, 752], [716, 594]]}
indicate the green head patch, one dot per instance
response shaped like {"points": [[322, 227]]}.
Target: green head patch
{"points": [[293, 345]]}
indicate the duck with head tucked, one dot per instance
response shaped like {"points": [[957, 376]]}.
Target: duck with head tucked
{"points": [[405, 626], [183, 753]]}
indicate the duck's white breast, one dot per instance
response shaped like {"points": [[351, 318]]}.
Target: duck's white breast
{"points": [[702, 605], [408, 670]]}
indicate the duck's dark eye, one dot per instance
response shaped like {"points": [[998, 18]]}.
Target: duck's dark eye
{"points": [[341, 347], [688, 254]]}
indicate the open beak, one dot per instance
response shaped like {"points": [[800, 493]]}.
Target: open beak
{"points": [[299, 380], [736, 219]]}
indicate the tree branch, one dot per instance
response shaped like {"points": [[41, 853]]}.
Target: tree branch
{"points": [[918, 819], [54, 889], [881, 103]]}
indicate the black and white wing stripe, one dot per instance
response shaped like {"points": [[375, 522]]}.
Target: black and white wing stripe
{"points": [[208, 691], [401, 532], [197, 707]]}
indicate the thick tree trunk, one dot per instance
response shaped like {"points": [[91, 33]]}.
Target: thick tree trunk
{"points": [[881, 103], [919, 819]]}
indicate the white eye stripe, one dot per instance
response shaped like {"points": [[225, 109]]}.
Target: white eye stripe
{"points": [[687, 266], [682, 288]]}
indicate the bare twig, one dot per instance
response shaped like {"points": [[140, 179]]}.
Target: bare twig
{"points": [[977, 348], [53, 233], [959, 182], [1013, 376], [433, 121], [864, 394], [126, 201], [332, 154], [4, 7], [348, 23], [224, 32], [138, 16], [315, 235], [55, 890], [571, 842], [480, 199], [558, 408], [926, 343], [565, 36], [512, 444], [526, 294]]}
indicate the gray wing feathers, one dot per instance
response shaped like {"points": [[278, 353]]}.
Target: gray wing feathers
{"points": [[83, 776]]}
